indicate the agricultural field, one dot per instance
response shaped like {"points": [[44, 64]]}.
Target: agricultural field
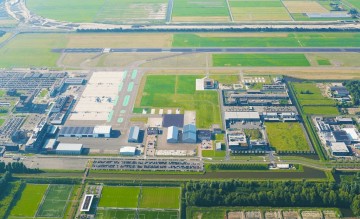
{"points": [[354, 3], [259, 11], [55, 202], [29, 201], [122, 197], [287, 136], [178, 91], [288, 40], [313, 101], [260, 60], [200, 11], [101, 11]]}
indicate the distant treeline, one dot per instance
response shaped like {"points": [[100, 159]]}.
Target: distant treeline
{"points": [[238, 166], [274, 194], [16, 167], [230, 29], [354, 89]]}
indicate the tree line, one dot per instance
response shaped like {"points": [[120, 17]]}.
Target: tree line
{"points": [[354, 89], [235, 166], [17, 167], [274, 194], [4, 180]]}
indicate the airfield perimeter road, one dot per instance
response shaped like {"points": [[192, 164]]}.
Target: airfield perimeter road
{"points": [[213, 50]]}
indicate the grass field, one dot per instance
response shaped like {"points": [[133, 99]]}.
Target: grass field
{"points": [[310, 94], [27, 50], [260, 60], [354, 3], [258, 11], [129, 214], [201, 10], [178, 91], [320, 110], [287, 136], [124, 197], [55, 201], [66, 10], [290, 40], [160, 198], [29, 201]]}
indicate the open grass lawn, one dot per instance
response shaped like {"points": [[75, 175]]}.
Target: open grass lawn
{"points": [[354, 3], [156, 197], [178, 91], [55, 201], [206, 8], [287, 136], [310, 94], [260, 60], [27, 50], [226, 79], [66, 10], [320, 110], [122, 197], [291, 40], [2, 122], [258, 10], [213, 153], [29, 201], [129, 214], [323, 62]]}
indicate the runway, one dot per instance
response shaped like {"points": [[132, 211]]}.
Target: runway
{"points": [[211, 50]]}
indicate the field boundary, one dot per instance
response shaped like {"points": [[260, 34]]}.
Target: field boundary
{"points": [[42, 201]]}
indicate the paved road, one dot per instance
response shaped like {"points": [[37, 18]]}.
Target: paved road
{"points": [[212, 50]]}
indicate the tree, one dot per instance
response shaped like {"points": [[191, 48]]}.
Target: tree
{"points": [[354, 12]]}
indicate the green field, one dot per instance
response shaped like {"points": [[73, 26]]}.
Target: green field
{"points": [[310, 94], [206, 8], [124, 197], [320, 110], [29, 201], [323, 62], [55, 201], [178, 91], [260, 60], [355, 3], [27, 50], [160, 198], [259, 11], [291, 40], [129, 214], [286, 136], [213, 153]]}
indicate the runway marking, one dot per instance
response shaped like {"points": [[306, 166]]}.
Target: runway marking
{"points": [[126, 100], [134, 74], [130, 87]]}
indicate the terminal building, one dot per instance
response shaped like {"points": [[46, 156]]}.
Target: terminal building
{"points": [[69, 149]]}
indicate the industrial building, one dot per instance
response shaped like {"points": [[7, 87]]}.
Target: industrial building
{"points": [[339, 149], [49, 145], [128, 151], [59, 104], [173, 134], [204, 135], [57, 118], [237, 141], [242, 116], [341, 136], [189, 134], [69, 149], [74, 81], [276, 117], [88, 131], [37, 137], [173, 120], [134, 134]]}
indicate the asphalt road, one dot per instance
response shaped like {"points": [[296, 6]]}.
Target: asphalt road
{"points": [[212, 50]]}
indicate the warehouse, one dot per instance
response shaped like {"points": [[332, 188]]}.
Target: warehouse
{"points": [[339, 149], [86, 131], [69, 149], [173, 134], [102, 131], [189, 134], [74, 81], [242, 116], [128, 151], [134, 134]]}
